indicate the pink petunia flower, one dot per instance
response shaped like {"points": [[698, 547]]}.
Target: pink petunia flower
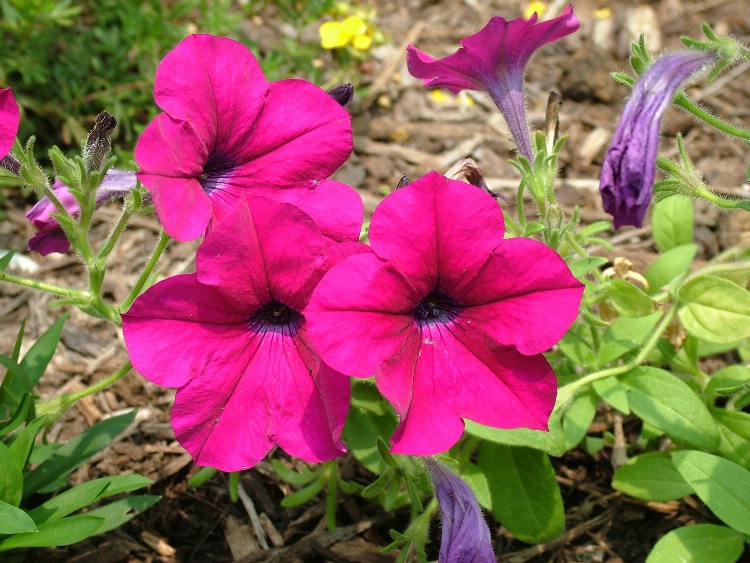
{"points": [[450, 317], [233, 338], [50, 236], [226, 131], [493, 60], [9, 118]]}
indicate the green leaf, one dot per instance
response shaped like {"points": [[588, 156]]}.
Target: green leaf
{"points": [[628, 300], [21, 447], [723, 485], [552, 442], [478, 482], [203, 475], [672, 222], [652, 477], [668, 403], [715, 309], [293, 477], [60, 532], [525, 495], [36, 359], [76, 451], [699, 543], [11, 478], [583, 266], [578, 417], [115, 514], [304, 495], [734, 428], [674, 262], [577, 350], [19, 416], [5, 259], [361, 433], [624, 335], [728, 381], [86, 494], [13, 520], [613, 393]]}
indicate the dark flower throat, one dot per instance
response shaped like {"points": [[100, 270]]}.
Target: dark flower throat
{"points": [[276, 317], [437, 307]]}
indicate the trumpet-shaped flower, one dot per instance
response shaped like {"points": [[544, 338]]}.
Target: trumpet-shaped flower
{"points": [[465, 537], [9, 118], [50, 237], [627, 179], [493, 60], [225, 131], [449, 316], [233, 338]]}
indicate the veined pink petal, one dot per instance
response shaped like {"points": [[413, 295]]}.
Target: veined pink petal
{"points": [[9, 119], [445, 375], [525, 296], [215, 84], [291, 246], [359, 314], [438, 229], [335, 207]]}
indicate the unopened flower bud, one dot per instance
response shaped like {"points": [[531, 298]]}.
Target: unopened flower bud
{"points": [[404, 181], [98, 144], [10, 163], [343, 94]]}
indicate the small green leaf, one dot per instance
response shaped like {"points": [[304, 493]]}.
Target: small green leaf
{"points": [[613, 393], [11, 478], [478, 483], [715, 309], [13, 520], [525, 495], [734, 428], [672, 222], [723, 485], [628, 300], [578, 417], [699, 543], [583, 266], [5, 259], [36, 359], [292, 476], [361, 433], [663, 400], [674, 262], [203, 475], [75, 452], [728, 381], [60, 532], [304, 495], [115, 514], [552, 442], [624, 335], [19, 416], [577, 349], [652, 477]]}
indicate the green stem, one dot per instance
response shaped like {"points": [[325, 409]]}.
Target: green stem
{"points": [[566, 393], [681, 100], [74, 293], [718, 201], [164, 239], [109, 244]]}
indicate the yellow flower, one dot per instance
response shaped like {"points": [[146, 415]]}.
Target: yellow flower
{"points": [[535, 6], [339, 34]]}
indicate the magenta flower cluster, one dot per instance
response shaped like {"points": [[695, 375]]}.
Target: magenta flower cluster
{"points": [[285, 305]]}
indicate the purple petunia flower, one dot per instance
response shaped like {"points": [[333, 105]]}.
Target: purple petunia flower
{"points": [[9, 118], [233, 338], [226, 131], [451, 317], [465, 537], [493, 60], [629, 168], [50, 236]]}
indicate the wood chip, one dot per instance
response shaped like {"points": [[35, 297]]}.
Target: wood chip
{"points": [[159, 545], [240, 538]]}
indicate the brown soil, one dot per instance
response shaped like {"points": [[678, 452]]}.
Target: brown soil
{"points": [[399, 129]]}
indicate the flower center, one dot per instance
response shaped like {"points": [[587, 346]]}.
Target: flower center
{"points": [[437, 307], [276, 317], [216, 172]]}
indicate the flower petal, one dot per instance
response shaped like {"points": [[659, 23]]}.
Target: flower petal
{"points": [[446, 374], [9, 119], [437, 229], [289, 244], [359, 314], [525, 296]]}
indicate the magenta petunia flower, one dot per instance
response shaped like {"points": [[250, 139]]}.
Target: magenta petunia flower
{"points": [[233, 338], [493, 60], [50, 236], [629, 168], [226, 131], [450, 317], [465, 537], [9, 118]]}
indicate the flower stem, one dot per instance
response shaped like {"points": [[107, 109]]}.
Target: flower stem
{"points": [[34, 284], [681, 100], [164, 239], [109, 244]]}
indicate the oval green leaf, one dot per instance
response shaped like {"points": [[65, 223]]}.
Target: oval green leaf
{"points": [[652, 477], [628, 300], [13, 520], [700, 543], [715, 309], [672, 222], [722, 485], [60, 532], [674, 262]]}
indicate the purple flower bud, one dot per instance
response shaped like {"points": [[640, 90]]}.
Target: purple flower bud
{"points": [[466, 537], [629, 168], [343, 94], [50, 237], [493, 60]]}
